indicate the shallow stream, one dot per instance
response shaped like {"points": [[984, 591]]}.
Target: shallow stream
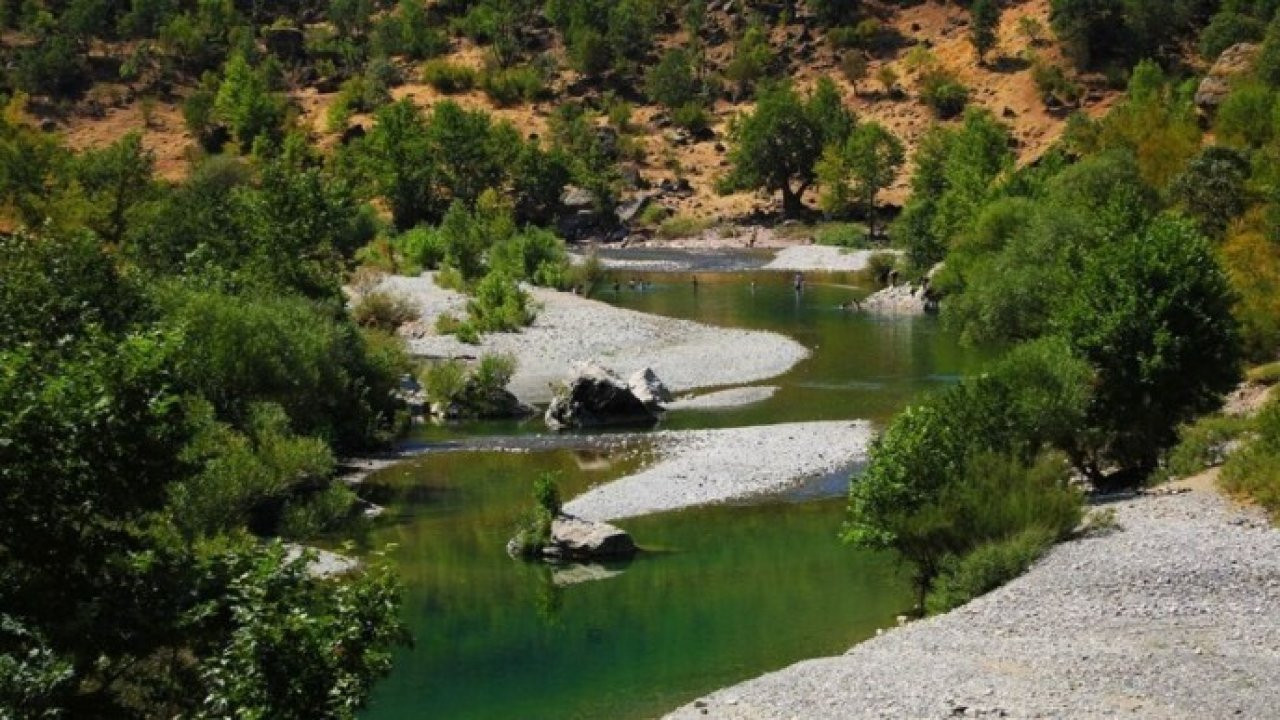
{"points": [[723, 594]]}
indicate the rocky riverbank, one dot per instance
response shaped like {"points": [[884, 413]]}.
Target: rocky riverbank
{"points": [[701, 467], [569, 329], [1172, 613]]}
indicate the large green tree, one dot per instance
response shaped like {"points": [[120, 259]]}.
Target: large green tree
{"points": [[1151, 312], [777, 146]]}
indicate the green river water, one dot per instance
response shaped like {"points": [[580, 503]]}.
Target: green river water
{"points": [[723, 594]]}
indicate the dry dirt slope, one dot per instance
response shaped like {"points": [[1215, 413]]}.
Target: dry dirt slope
{"points": [[1004, 85]]}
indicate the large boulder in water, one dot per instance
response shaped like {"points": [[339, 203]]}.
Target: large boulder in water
{"points": [[577, 539], [648, 389], [1215, 87], [594, 397]]}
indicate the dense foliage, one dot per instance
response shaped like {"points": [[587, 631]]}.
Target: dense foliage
{"points": [[176, 376]]}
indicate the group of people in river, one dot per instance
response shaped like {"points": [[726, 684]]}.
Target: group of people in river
{"points": [[798, 282]]}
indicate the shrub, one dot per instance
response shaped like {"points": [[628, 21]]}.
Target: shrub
{"points": [[880, 265], [1226, 29], [849, 235], [968, 466], [448, 77], [986, 568], [943, 93], [1202, 444], [422, 247], [1268, 374], [499, 305], [692, 117], [508, 86], [314, 513], [679, 226], [672, 82], [444, 381], [588, 275], [384, 310], [1255, 469], [1051, 79], [652, 214], [533, 532]]}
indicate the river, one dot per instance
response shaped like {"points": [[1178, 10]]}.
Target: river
{"points": [[722, 594]]}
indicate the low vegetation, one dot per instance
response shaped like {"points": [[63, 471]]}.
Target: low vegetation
{"points": [[533, 531]]}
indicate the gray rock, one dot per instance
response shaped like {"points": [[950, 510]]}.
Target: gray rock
{"points": [[646, 386], [576, 198], [595, 397], [1215, 87], [576, 538]]}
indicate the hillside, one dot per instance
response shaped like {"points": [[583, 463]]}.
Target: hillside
{"points": [[1005, 85]]}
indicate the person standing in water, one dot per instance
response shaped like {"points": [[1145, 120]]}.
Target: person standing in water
{"points": [[798, 282]]}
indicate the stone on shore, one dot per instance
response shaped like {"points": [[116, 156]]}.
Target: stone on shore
{"points": [[647, 388], [576, 539], [595, 397]]}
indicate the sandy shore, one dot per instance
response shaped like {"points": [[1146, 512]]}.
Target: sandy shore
{"points": [[684, 354], [1174, 614], [722, 399], [822, 258], [701, 467]]}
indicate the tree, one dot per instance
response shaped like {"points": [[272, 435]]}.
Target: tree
{"points": [[1151, 313], [396, 155], [854, 67], [116, 178], [854, 173], [672, 82], [926, 493], [246, 105], [777, 146], [1212, 190], [983, 23], [888, 79]]}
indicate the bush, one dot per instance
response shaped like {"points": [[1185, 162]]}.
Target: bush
{"points": [[1226, 29], [880, 265], [588, 275], [533, 532], [849, 235], [1051, 79], [986, 568], [499, 305], [672, 82], [1202, 444], [969, 465], [333, 381], [508, 86], [692, 117], [448, 77], [444, 381], [1255, 469], [422, 247], [679, 226], [1268, 374], [314, 513], [944, 93], [384, 310]]}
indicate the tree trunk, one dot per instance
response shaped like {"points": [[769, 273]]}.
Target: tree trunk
{"points": [[791, 205]]}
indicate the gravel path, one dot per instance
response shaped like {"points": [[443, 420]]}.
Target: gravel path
{"points": [[684, 354], [701, 467], [818, 258], [1176, 614]]}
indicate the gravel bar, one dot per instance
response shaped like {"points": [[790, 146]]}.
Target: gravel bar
{"points": [[702, 467], [684, 354], [822, 258], [1175, 613]]}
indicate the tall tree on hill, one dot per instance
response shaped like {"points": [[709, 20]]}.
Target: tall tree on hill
{"points": [[777, 146], [984, 20]]}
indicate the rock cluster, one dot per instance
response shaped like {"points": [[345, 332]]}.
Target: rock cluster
{"points": [[595, 397], [1215, 87]]}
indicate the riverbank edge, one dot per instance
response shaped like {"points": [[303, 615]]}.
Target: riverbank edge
{"points": [[1167, 614]]}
